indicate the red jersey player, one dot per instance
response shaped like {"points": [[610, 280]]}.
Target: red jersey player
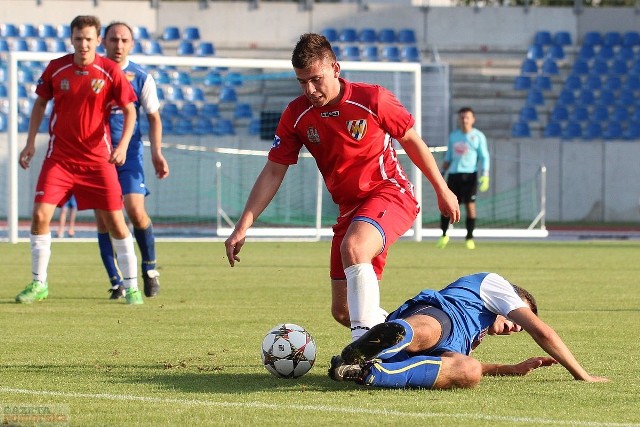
{"points": [[80, 159], [348, 128]]}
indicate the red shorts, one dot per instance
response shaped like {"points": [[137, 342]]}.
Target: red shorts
{"points": [[95, 186], [392, 212]]}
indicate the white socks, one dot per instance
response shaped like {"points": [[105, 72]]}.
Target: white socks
{"points": [[363, 297], [127, 261], [40, 255]]}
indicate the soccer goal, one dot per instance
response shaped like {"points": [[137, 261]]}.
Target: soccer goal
{"points": [[219, 117]]}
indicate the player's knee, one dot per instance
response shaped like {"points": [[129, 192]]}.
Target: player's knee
{"points": [[469, 373]]}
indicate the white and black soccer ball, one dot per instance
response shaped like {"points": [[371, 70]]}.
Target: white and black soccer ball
{"points": [[288, 351]]}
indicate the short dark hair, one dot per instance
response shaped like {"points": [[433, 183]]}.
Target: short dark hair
{"points": [[466, 110], [84, 21], [113, 24], [310, 48], [526, 297]]}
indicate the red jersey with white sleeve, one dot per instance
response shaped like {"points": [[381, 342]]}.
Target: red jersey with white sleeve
{"points": [[82, 99], [350, 141]]}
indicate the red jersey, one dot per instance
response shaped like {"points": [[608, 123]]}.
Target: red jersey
{"points": [[82, 99], [350, 141]]}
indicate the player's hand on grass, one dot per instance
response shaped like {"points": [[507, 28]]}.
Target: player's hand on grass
{"points": [[525, 367], [594, 379]]}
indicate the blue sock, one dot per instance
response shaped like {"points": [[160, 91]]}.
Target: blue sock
{"points": [[108, 258], [408, 337], [147, 244], [413, 372]]}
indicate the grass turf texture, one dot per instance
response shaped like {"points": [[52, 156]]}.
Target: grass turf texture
{"points": [[191, 356]]}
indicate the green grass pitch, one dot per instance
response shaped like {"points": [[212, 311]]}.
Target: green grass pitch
{"points": [[191, 356]]}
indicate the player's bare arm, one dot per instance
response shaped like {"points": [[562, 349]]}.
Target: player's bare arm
{"points": [[119, 154], [421, 156], [263, 191], [523, 368], [155, 138], [37, 115], [551, 342]]}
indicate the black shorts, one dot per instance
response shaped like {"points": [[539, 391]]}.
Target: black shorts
{"points": [[464, 186], [436, 313]]}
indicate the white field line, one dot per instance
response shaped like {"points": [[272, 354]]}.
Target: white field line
{"points": [[315, 408]]}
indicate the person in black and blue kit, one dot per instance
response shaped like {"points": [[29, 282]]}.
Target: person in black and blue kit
{"points": [[467, 154], [118, 41], [427, 342]]}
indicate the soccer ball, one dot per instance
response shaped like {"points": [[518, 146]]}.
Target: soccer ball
{"points": [[288, 351]]}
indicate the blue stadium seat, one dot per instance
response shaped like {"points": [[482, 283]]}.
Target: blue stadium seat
{"points": [[136, 49], [535, 51], [26, 76], [203, 126], [572, 130], [4, 92], [23, 123], [625, 53], [186, 48], [529, 66], [586, 52], [593, 38], [600, 113], [167, 125], [210, 110], [599, 66], [631, 39], [224, 127], [175, 93], [337, 51], [593, 82], [593, 130], [160, 93], [528, 113], [559, 113], [38, 45], [47, 31], [410, 53], [387, 35], [27, 30], [612, 38], [619, 67], [351, 53], [542, 37], [181, 78], [195, 94], [213, 78], [234, 79], [206, 49], [635, 67], [586, 97], [406, 36], [141, 32], [555, 51], [605, 52], [58, 46], [580, 113], [390, 53], [620, 113], [330, 33], [535, 97], [20, 45], [370, 53], [562, 38], [153, 47], [550, 67], [254, 127], [367, 35], [626, 99], [191, 33], [44, 125], [542, 83], [171, 33], [632, 131], [520, 130], [631, 83], [522, 83], [161, 77], [243, 111], [228, 94], [573, 82], [169, 110], [64, 31], [566, 97], [8, 30], [3, 122], [189, 110], [348, 35], [100, 50], [612, 82], [183, 126], [4, 46], [552, 130]]}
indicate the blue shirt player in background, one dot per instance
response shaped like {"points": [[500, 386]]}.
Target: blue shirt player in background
{"points": [[118, 42], [467, 153]]}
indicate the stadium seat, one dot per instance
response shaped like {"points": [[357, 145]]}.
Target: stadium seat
{"points": [[367, 35], [593, 38], [191, 33], [3, 122], [520, 129], [605, 52], [136, 49], [535, 51], [234, 79], [600, 113], [573, 82], [206, 49], [586, 97], [599, 66], [228, 94], [183, 126], [529, 66], [186, 48], [387, 35], [535, 97], [213, 78], [370, 53], [64, 31], [559, 113], [348, 35], [141, 32], [626, 99], [625, 53], [153, 47], [169, 110], [58, 46], [613, 130], [254, 127], [44, 125], [566, 97], [160, 93], [542, 83], [390, 53], [210, 110], [47, 31], [593, 130], [337, 51], [38, 45], [550, 67], [632, 131], [579, 113], [171, 33], [586, 52], [8, 30], [243, 111], [631, 83], [351, 53], [528, 113], [555, 51], [580, 67], [620, 113], [4, 46], [410, 53], [224, 127], [25, 76], [100, 50], [189, 110], [572, 130], [4, 92], [552, 130], [23, 123], [593, 82], [562, 38], [195, 94], [635, 67], [167, 125], [203, 126], [619, 67], [174, 93], [542, 38], [161, 77], [20, 45], [27, 30], [612, 38], [522, 83], [631, 39], [612, 82], [181, 78], [406, 36], [330, 33]]}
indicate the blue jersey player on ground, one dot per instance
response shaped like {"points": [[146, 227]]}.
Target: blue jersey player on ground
{"points": [[118, 42], [427, 342]]}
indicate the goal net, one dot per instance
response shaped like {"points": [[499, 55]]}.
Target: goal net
{"points": [[219, 117]]}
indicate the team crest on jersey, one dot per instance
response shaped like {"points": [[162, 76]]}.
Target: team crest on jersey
{"points": [[97, 85], [312, 135], [64, 84], [357, 128], [130, 76]]}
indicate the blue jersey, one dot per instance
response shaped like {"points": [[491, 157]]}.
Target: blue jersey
{"points": [[467, 152], [472, 303]]}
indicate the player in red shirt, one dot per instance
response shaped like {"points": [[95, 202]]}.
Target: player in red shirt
{"points": [[348, 129], [80, 159]]}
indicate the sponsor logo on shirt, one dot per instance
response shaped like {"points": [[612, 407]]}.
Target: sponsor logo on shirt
{"points": [[64, 84], [460, 148], [81, 73], [312, 135], [97, 85], [330, 114], [357, 128], [276, 142]]}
